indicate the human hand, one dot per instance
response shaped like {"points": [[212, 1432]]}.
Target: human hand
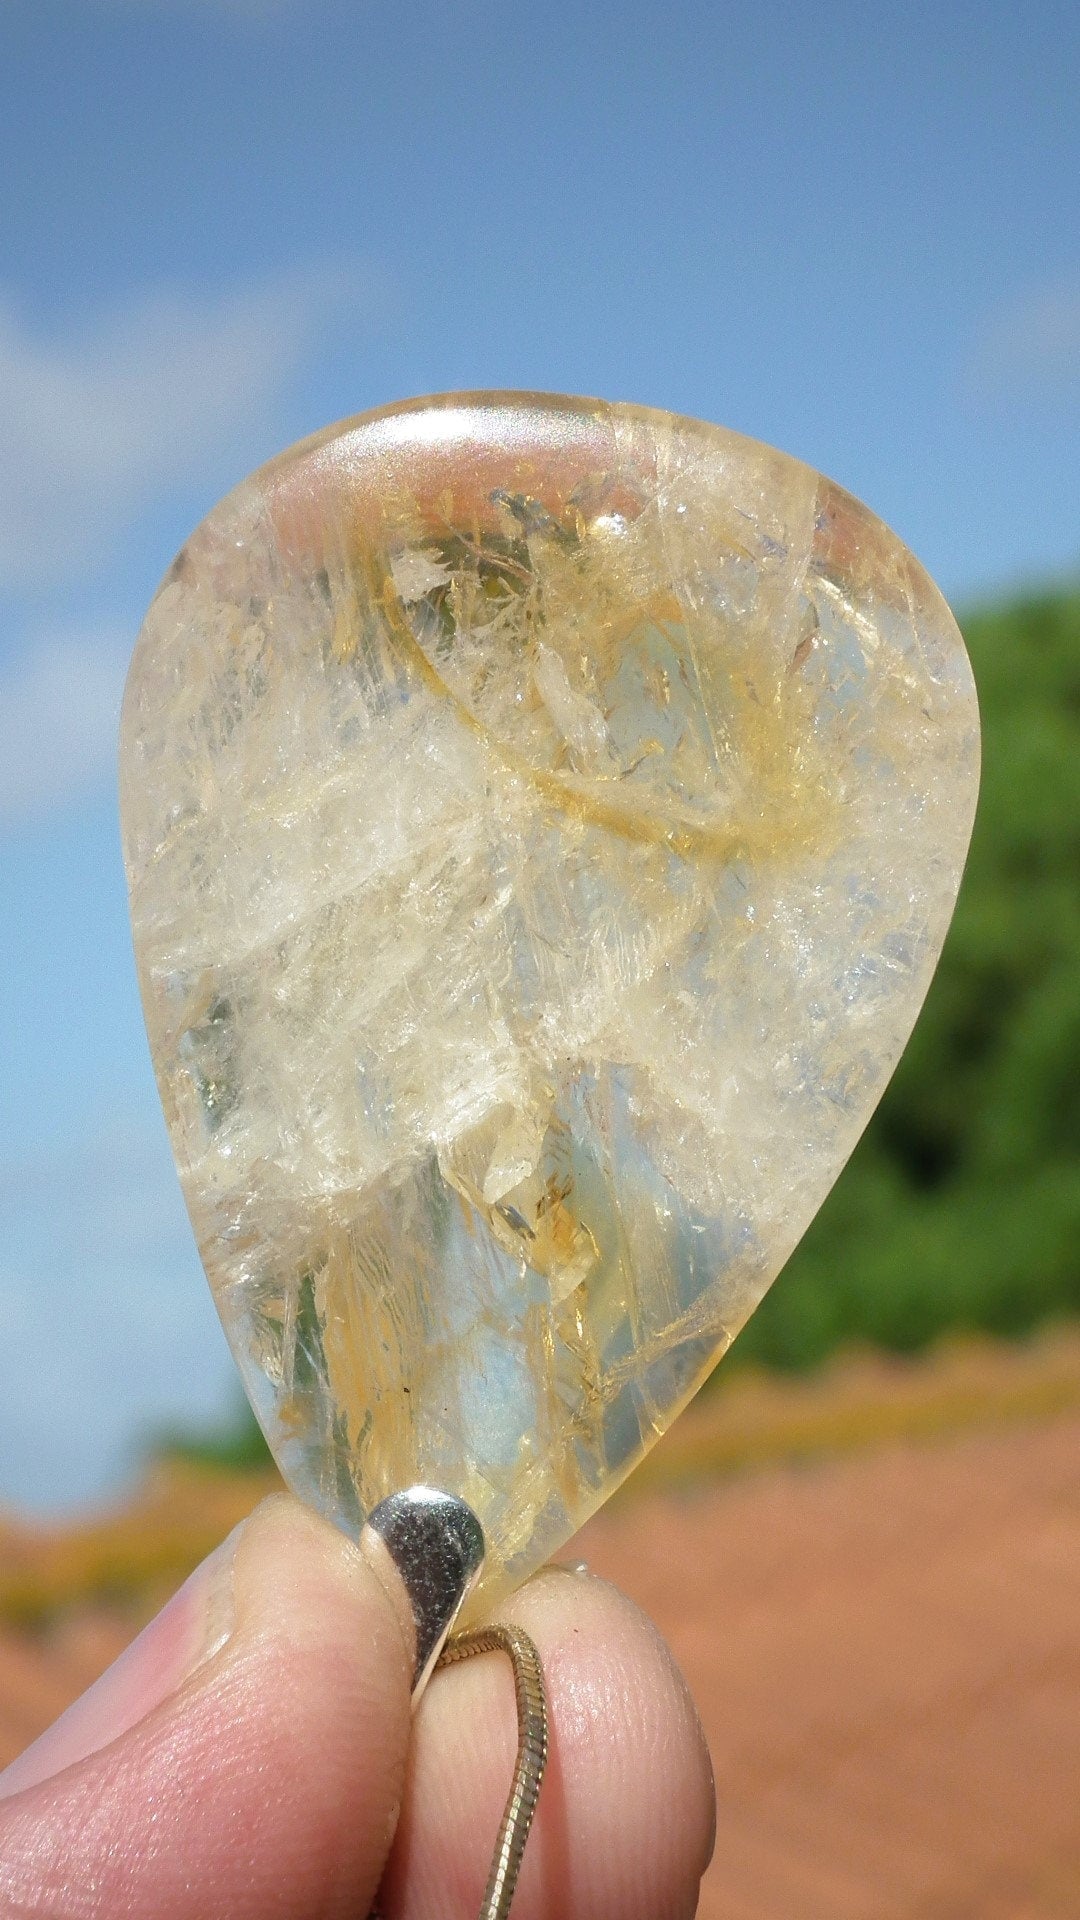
{"points": [[253, 1757]]}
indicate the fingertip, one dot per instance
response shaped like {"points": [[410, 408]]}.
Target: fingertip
{"points": [[625, 1821], [269, 1782]]}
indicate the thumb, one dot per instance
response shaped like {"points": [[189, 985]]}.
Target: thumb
{"points": [[244, 1757]]}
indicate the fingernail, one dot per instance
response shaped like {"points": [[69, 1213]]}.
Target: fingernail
{"points": [[189, 1630]]}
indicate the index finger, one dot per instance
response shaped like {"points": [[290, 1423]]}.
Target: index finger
{"points": [[625, 1822]]}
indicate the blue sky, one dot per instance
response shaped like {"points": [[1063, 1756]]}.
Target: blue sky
{"points": [[851, 230]]}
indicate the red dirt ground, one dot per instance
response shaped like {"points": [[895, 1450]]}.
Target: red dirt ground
{"points": [[885, 1648], [886, 1654]]}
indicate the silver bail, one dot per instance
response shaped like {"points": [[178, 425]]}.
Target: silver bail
{"points": [[437, 1545]]}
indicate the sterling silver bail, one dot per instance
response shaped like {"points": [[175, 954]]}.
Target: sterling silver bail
{"points": [[437, 1545]]}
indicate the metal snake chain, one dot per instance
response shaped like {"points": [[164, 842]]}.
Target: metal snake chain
{"points": [[531, 1754]]}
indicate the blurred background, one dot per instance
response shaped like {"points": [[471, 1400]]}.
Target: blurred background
{"points": [[851, 231]]}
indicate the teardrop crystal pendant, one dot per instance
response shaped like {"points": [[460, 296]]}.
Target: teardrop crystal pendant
{"points": [[542, 820]]}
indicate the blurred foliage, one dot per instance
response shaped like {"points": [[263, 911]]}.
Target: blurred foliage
{"points": [[236, 1445], [959, 1210], [128, 1560], [961, 1205]]}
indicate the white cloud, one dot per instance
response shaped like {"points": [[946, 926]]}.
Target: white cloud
{"points": [[1029, 347], [94, 424], [59, 713]]}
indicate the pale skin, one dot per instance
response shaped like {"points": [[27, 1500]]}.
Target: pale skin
{"points": [[254, 1757]]}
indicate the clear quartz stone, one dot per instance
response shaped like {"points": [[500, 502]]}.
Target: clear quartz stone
{"points": [[542, 819]]}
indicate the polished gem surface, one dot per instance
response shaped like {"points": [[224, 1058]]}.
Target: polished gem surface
{"points": [[542, 819]]}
